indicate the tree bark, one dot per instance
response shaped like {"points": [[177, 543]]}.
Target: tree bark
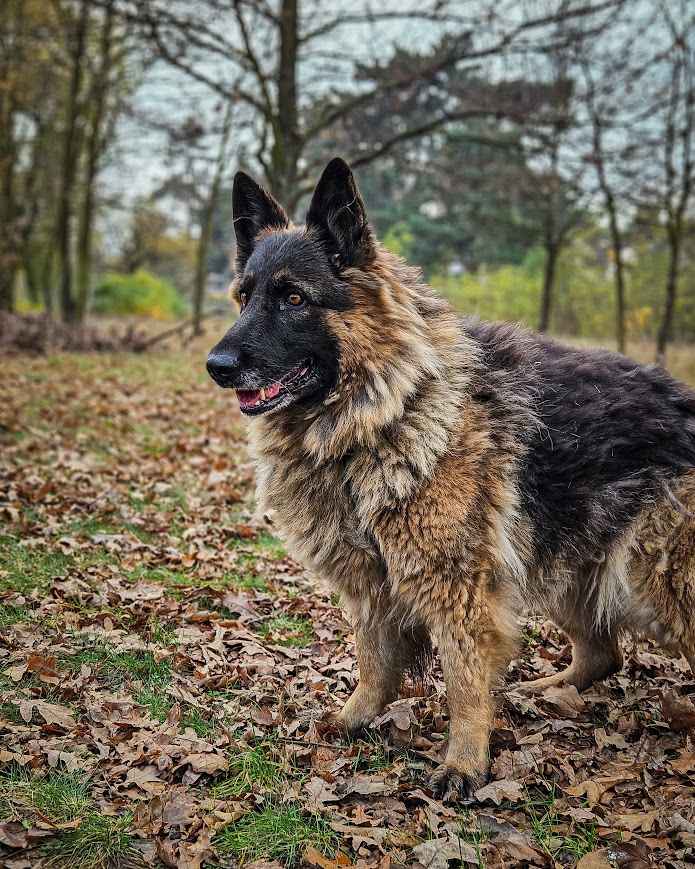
{"points": [[9, 210], [551, 257], [94, 150], [68, 306], [207, 220], [286, 140], [8, 277], [666, 327], [618, 273]]}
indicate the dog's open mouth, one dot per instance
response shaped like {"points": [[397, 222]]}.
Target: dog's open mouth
{"points": [[252, 401]]}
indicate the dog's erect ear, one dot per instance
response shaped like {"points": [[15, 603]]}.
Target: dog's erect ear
{"points": [[337, 212], [254, 209]]}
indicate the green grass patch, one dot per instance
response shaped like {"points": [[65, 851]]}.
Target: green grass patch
{"points": [[100, 842], [158, 704], [23, 569], [58, 795], [10, 712], [206, 728], [471, 833], [13, 615], [117, 667], [583, 840], [271, 546], [245, 580], [90, 525], [285, 630], [277, 832], [373, 757], [547, 829], [160, 633], [257, 767]]}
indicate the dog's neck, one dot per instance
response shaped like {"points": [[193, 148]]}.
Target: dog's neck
{"points": [[405, 369]]}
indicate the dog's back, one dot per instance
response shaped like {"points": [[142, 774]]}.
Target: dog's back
{"points": [[611, 433]]}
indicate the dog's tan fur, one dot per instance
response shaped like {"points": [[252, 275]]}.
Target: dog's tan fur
{"points": [[400, 490]]}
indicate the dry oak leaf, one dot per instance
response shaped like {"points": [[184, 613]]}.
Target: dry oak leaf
{"points": [[436, 853], [13, 833], [614, 740], [566, 698], [205, 762], [631, 821], [399, 713], [146, 778], [52, 713], [595, 860], [498, 791], [678, 711], [684, 763], [316, 858]]}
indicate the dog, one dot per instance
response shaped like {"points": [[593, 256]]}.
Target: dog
{"points": [[444, 474]]}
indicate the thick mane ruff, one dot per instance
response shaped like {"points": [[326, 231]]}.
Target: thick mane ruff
{"points": [[400, 346]]}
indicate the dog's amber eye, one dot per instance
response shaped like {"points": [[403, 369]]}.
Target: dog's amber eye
{"points": [[295, 299], [242, 300]]}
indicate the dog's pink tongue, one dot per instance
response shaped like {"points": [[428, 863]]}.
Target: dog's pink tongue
{"points": [[248, 397]]}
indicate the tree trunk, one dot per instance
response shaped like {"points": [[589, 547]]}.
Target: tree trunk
{"points": [[9, 160], [666, 327], [47, 279], [286, 140], [551, 257], [94, 148], [618, 273], [68, 306], [206, 225], [8, 276]]}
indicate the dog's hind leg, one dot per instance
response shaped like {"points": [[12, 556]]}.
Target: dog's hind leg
{"points": [[663, 572], [385, 650], [595, 656], [596, 652]]}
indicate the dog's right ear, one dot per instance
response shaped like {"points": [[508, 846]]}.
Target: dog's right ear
{"points": [[253, 209], [338, 214]]}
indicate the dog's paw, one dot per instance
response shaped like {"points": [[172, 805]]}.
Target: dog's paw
{"points": [[452, 785], [348, 725]]}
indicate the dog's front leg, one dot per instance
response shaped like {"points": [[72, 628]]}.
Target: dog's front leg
{"points": [[474, 650], [385, 650]]}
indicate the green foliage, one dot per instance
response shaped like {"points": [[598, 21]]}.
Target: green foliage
{"points": [[584, 295], [140, 293], [506, 293], [278, 832], [12, 615]]}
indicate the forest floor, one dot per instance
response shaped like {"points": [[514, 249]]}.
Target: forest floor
{"points": [[167, 673]]}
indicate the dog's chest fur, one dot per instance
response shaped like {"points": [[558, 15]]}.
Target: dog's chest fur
{"points": [[431, 495]]}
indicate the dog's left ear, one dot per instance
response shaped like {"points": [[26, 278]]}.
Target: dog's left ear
{"points": [[253, 209], [337, 212]]}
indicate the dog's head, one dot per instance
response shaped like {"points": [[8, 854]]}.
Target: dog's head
{"points": [[290, 283]]}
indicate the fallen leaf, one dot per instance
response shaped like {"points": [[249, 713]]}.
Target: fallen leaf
{"points": [[595, 860], [678, 711], [499, 791]]}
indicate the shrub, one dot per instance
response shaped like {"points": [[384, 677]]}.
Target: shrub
{"points": [[140, 293]]}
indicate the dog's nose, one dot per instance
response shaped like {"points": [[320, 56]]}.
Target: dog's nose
{"points": [[223, 367]]}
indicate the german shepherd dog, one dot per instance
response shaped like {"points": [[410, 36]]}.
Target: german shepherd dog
{"points": [[443, 474]]}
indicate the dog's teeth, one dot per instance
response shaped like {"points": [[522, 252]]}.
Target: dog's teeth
{"points": [[263, 394]]}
